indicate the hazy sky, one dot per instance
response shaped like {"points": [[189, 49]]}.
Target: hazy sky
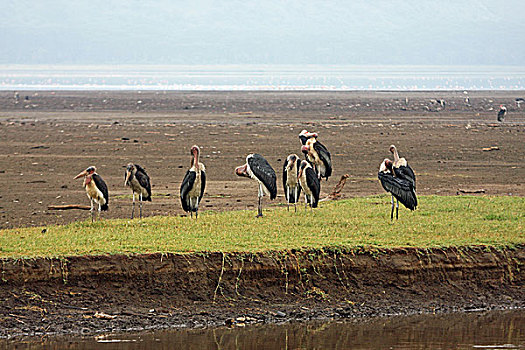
{"points": [[472, 32]]}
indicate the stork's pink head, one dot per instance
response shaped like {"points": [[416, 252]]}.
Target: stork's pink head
{"points": [[307, 134], [89, 171], [305, 149], [303, 166], [386, 166], [290, 161], [195, 150], [242, 170]]}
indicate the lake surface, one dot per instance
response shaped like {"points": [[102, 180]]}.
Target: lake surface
{"points": [[261, 77], [480, 330]]}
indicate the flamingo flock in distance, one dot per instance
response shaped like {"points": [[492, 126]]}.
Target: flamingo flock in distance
{"points": [[298, 176]]}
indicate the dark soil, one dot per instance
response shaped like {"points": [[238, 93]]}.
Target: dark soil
{"points": [[47, 140], [120, 293]]}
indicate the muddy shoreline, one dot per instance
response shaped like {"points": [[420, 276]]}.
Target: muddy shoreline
{"points": [[93, 294]]}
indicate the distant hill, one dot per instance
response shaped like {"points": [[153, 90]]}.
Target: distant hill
{"points": [[267, 31]]}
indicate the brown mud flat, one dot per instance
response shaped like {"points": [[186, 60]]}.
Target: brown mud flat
{"points": [[94, 294], [53, 135]]}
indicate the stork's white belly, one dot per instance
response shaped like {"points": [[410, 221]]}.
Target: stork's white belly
{"points": [[311, 158], [252, 175], [94, 193], [321, 168], [196, 189], [137, 188], [304, 184], [291, 180], [317, 163]]}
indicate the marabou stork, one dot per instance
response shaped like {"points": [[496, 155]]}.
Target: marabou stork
{"points": [[138, 180], [317, 154], [400, 188], [310, 184], [259, 169], [502, 113], [193, 185], [401, 167], [96, 189], [292, 189]]}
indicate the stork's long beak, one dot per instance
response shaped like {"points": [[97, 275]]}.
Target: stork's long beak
{"points": [[84, 173], [195, 158], [128, 174], [241, 170]]}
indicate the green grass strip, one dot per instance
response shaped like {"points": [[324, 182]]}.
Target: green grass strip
{"points": [[438, 222]]}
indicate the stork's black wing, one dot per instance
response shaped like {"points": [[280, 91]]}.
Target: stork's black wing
{"points": [[402, 189], [185, 187], [406, 173], [501, 115], [101, 185], [313, 184], [264, 172], [143, 179], [203, 184], [303, 139], [298, 183], [324, 155], [285, 176]]}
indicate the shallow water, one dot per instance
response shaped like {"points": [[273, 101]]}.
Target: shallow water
{"points": [[261, 77], [481, 330]]}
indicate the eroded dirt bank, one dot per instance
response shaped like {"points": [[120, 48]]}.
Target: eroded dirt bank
{"points": [[117, 293]]}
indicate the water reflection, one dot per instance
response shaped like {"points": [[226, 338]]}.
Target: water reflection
{"points": [[261, 77], [491, 330]]}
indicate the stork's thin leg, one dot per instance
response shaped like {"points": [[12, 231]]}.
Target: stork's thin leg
{"points": [[288, 197], [99, 210], [191, 208], [133, 206], [397, 209], [140, 205], [311, 203], [392, 212], [261, 194], [295, 197], [259, 210], [91, 210], [305, 202], [197, 209]]}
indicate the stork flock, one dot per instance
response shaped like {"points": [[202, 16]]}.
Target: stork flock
{"points": [[396, 177]]}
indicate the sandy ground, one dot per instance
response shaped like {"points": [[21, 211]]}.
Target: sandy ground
{"points": [[48, 137]]}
